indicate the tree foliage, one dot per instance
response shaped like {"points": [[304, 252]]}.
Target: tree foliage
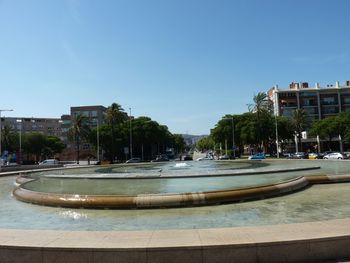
{"points": [[205, 144], [149, 138], [9, 140], [299, 123], [41, 146], [79, 131]]}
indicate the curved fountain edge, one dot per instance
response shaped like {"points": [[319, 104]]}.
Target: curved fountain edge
{"points": [[174, 199]]}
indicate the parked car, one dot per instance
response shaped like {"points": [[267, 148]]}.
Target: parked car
{"points": [[49, 162], [258, 156], [224, 157], [335, 155], [314, 156], [188, 157], [298, 155], [205, 158], [134, 160], [161, 158], [325, 153]]}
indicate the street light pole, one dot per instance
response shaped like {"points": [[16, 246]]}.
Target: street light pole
{"points": [[277, 144], [20, 142], [130, 135], [233, 139], [98, 142], [1, 129]]}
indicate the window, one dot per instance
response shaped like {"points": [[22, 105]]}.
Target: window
{"points": [[346, 100], [329, 101]]}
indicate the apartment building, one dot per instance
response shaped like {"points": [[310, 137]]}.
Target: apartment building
{"points": [[47, 126], [318, 102], [95, 116]]}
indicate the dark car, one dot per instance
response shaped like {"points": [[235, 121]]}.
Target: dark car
{"points": [[134, 160], [161, 158], [188, 157], [298, 155]]}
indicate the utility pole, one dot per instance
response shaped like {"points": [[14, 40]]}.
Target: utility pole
{"points": [[130, 135]]}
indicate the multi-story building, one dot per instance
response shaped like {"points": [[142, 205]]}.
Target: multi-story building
{"points": [[318, 102], [95, 116], [60, 127], [47, 126]]}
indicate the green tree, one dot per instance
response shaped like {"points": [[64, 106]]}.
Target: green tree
{"points": [[205, 143], [9, 140], [178, 143], [53, 145], [285, 129], [34, 143], [299, 124], [115, 115], [79, 132], [343, 127], [262, 109]]}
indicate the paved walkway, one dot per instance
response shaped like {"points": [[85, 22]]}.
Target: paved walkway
{"points": [[317, 242]]}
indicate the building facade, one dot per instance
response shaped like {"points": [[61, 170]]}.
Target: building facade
{"points": [[60, 127], [318, 102], [47, 126], [95, 116]]}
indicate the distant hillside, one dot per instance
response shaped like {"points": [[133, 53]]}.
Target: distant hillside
{"points": [[192, 139]]}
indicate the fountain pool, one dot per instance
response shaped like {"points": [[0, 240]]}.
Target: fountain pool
{"points": [[319, 202]]}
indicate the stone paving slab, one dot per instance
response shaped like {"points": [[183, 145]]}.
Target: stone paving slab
{"points": [[319, 241]]}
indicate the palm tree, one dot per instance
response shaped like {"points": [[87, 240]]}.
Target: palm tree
{"points": [[262, 108], [299, 123], [114, 115], [261, 104], [79, 131]]}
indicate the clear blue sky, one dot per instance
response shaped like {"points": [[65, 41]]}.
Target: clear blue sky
{"points": [[184, 63]]}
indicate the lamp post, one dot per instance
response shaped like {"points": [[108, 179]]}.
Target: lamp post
{"points": [[130, 135], [98, 141], [20, 141], [277, 144], [1, 130]]}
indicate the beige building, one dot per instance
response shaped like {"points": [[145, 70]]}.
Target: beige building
{"points": [[47, 126], [318, 102]]}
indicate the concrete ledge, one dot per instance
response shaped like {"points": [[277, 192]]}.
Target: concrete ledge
{"points": [[173, 199], [317, 241], [157, 200]]}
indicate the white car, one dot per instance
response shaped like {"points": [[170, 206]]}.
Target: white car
{"points": [[49, 162], [337, 156], [205, 158]]}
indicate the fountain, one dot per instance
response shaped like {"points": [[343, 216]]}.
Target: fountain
{"points": [[190, 189]]}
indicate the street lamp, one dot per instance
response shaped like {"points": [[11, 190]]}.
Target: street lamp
{"points": [[233, 136], [277, 143], [1, 130], [20, 142], [98, 141], [130, 135]]}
